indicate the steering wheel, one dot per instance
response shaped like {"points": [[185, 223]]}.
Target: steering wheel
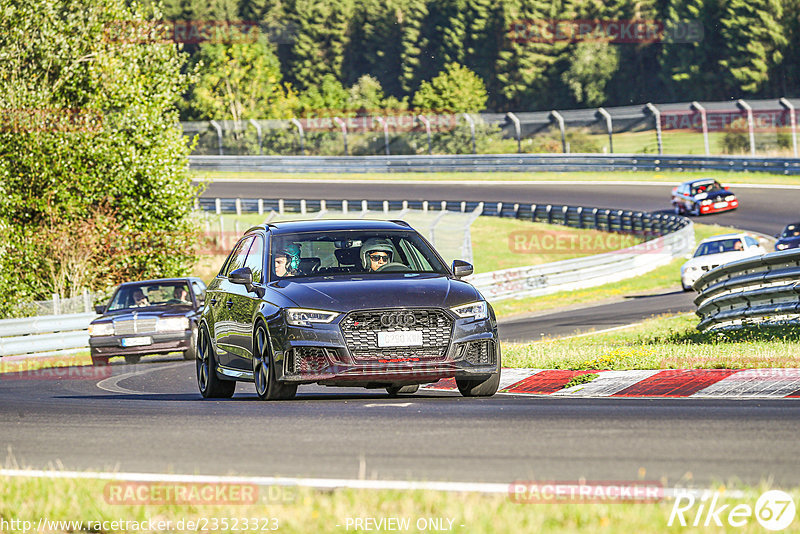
{"points": [[393, 267]]}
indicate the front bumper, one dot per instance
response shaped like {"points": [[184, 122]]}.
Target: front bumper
{"points": [[320, 354], [160, 343], [718, 207]]}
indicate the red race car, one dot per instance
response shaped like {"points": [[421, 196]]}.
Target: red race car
{"points": [[701, 197]]}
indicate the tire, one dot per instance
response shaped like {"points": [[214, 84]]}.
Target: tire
{"points": [[132, 359], [98, 361], [264, 376], [677, 209], [191, 352], [685, 287], [471, 387], [696, 210], [394, 391], [209, 384]]}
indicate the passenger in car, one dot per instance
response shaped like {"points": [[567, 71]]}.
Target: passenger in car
{"points": [[287, 261], [140, 299]]}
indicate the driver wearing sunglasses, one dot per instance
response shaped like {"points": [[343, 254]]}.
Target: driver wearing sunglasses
{"points": [[376, 253]]}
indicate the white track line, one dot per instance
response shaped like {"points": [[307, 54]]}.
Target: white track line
{"points": [[316, 483], [110, 384]]}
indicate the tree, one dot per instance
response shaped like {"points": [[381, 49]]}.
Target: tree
{"points": [[455, 90], [90, 154], [753, 39], [414, 54], [321, 36], [591, 67], [241, 81]]}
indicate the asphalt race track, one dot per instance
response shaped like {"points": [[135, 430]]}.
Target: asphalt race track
{"points": [[155, 421], [150, 417]]}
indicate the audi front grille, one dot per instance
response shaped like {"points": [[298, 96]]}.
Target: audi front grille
{"points": [[360, 330]]}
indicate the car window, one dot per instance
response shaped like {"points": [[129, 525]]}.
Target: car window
{"points": [[237, 256], [718, 247], [255, 259], [199, 290], [151, 295], [331, 253], [791, 230], [751, 242]]}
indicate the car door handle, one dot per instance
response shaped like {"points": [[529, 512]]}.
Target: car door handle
{"points": [[229, 304]]}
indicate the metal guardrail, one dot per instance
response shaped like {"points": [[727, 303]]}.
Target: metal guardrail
{"points": [[671, 235], [493, 163], [45, 333], [761, 290]]}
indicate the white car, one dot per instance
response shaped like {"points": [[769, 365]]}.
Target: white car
{"points": [[715, 251]]}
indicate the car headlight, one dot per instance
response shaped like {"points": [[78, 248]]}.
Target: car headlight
{"points": [[692, 268], [781, 246], [730, 197], [474, 310], [304, 317], [101, 329], [172, 324], [706, 202]]}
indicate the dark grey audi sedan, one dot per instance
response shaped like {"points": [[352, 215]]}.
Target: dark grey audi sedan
{"points": [[343, 303]]}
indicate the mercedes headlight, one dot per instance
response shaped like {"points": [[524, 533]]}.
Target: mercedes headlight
{"points": [[304, 317], [473, 310], [101, 329], [172, 324]]}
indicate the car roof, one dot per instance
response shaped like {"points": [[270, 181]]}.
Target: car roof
{"points": [[701, 181], [162, 280], [720, 237], [320, 225]]}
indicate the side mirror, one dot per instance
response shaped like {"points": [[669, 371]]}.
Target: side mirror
{"points": [[243, 276], [462, 268], [99, 309]]}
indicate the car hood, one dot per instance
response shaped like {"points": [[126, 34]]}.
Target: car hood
{"points": [[713, 195], [377, 291], [144, 313]]}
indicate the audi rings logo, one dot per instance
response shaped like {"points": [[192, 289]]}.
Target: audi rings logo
{"points": [[398, 319]]}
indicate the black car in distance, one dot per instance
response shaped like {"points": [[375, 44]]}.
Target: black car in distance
{"points": [[148, 317], [343, 303], [789, 238]]}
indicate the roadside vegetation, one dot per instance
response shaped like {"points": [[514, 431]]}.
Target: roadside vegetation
{"points": [[669, 342], [308, 510]]}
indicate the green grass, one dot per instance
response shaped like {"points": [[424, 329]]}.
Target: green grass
{"points": [[308, 510], [666, 277], [668, 177], [661, 343]]}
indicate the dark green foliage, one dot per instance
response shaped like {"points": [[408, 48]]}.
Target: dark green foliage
{"points": [[93, 171]]}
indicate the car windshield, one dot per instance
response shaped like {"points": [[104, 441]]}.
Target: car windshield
{"points": [[791, 230], [151, 295], [351, 252], [706, 187], [716, 247]]}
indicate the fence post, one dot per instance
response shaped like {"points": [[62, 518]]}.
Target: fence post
{"points": [[607, 116], [260, 137], [343, 125], [217, 127], [746, 107], [300, 132], [657, 115], [557, 116], [792, 122], [87, 305], [280, 206], [344, 206], [549, 211], [471, 130], [218, 206], [238, 202], [56, 305], [385, 125], [427, 123], [517, 130], [385, 206], [704, 122], [261, 206], [303, 209]]}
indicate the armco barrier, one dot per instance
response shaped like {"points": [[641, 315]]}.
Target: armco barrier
{"points": [[493, 163], [45, 333], [672, 235], [761, 290]]}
